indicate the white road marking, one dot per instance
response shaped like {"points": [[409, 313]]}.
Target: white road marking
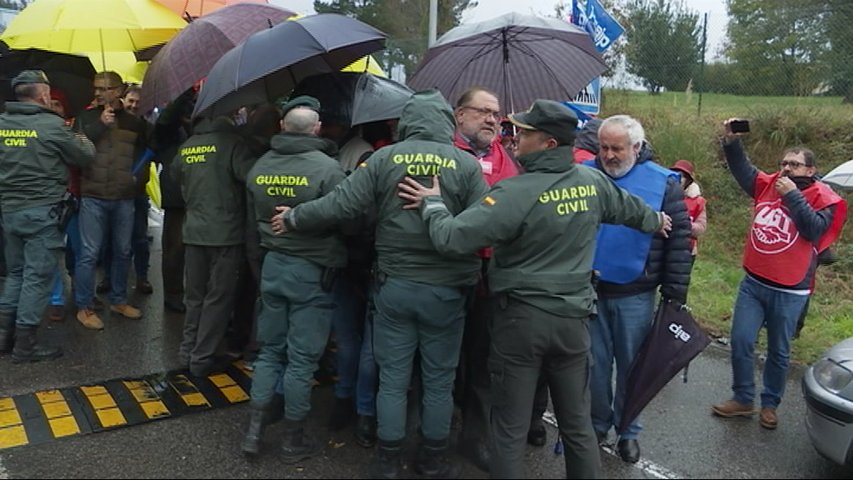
{"points": [[651, 468]]}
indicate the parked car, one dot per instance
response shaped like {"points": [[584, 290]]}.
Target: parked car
{"points": [[828, 388]]}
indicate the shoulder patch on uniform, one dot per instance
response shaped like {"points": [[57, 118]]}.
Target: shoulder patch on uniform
{"points": [[489, 200]]}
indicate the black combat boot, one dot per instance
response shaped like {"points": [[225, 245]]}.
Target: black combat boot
{"points": [[297, 445], [386, 461], [433, 460], [27, 348], [7, 331], [258, 412]]}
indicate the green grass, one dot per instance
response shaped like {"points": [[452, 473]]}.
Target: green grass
{"points": [[676, 131]]}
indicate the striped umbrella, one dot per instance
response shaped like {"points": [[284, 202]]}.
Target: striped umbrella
{"points": [[520, 57]]}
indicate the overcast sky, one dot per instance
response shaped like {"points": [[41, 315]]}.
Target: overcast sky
{"points": [[492, 8]]}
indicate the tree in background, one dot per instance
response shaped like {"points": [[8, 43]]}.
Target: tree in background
{"points": [[663, 43], [839, 20], [405, 21], [780, 46]]}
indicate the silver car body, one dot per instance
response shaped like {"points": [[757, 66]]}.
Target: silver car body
{"points": [[828, 390]]}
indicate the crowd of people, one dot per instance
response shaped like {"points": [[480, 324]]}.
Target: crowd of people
{"points": [[497, 261]]}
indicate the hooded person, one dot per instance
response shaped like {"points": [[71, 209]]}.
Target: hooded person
{"points": [[420, 303]]}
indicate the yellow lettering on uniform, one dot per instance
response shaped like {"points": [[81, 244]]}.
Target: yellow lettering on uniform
{"points": [[19, 133], [451, 164], [281, 192], [197, 150], [191, 159], [575, 206], [289, 180], [15, 142]]}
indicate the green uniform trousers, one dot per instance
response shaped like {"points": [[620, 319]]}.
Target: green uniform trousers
{"points": [[525, 340], [294, 324], [212, 274], [416, 317], [33, 245]]}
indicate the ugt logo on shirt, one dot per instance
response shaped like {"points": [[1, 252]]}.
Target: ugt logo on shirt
{"points": [[773, 231]]}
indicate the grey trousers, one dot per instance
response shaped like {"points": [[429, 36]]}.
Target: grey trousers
{"points": [[211, 277]]}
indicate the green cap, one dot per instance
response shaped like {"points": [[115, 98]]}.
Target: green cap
{"points": [[550, 117], [300, 101], [30, 76]]}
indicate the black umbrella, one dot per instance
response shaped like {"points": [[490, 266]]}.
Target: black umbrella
{"points": [[70, 73], [674, 340], [270, 63], [520, 57], [355, 98]]}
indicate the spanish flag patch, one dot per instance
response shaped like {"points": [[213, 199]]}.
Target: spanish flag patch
{"points": [[489, 200]]}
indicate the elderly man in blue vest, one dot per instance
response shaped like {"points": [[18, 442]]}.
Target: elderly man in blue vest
{"points": [[632, 265]]}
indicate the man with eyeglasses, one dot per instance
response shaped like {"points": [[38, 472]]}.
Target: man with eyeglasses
{"points": [[478, 132], [107, 190], [795, 217]]}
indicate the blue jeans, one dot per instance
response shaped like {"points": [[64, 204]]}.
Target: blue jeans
{"points": [[97, 217], [368, 374], [140, 250], [73, 243], [32, 248], [349, 308], [617, 333], [757, 306]]}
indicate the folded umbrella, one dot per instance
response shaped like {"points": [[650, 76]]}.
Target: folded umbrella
{"points": [[261, 68], [674, 340], [520, 57], [189, 56]]}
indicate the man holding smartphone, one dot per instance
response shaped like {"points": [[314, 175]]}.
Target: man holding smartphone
{"points": [[795, 218]]}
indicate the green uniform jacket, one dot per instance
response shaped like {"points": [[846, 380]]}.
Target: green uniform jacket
{"points": [[35, 150], [542, 225], [403, 246], [297, 169], [211, 167]]}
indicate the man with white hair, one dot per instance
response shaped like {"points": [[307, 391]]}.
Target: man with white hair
{"points": [[632, 265], [296, 278]]}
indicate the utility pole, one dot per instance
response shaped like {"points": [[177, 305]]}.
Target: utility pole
{"points": [[433, 22]]}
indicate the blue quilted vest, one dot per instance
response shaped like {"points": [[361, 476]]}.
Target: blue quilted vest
{"points": [[621, 252]]}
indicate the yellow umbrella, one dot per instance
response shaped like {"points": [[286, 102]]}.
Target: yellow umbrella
{"points": [[123, 63], [365, 64], [71, 26]]}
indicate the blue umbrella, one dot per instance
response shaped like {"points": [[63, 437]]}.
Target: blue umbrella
{"points": [[269, 64]]}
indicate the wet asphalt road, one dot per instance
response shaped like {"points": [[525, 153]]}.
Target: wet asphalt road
{"points": [[681, 438]]}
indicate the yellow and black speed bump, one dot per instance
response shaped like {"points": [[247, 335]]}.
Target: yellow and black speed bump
{"points": [[48, 415]]}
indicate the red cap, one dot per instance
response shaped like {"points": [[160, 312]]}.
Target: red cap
{"points": [[684, 166]]}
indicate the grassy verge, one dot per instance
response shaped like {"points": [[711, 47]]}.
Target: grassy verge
{"points": [[677, 131]]}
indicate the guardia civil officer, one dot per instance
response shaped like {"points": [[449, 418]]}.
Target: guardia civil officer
{"points": [[420, 303], [296, 277], [35, 150], [542, 225], [211, 167]]}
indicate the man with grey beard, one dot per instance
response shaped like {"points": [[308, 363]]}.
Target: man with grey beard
{"points": [[632, 265]]}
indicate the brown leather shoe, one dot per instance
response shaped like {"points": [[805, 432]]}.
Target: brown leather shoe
{"points": [[768, 419], [732, 408], [126, 310], [90, 319]]}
